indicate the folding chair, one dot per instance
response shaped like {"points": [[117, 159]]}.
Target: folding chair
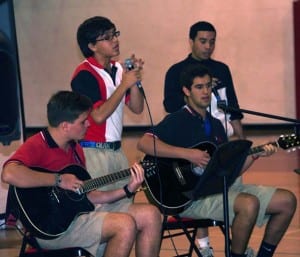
{"points": [[31, 248], [174, 226]]}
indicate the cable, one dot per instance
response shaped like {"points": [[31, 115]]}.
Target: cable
{"points": [[155, 155]]}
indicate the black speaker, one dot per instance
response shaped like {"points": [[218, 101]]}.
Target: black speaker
{"points": [[11, 103]]}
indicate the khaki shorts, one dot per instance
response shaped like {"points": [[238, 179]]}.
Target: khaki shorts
{"points": [[211, 207], [85, 231]]}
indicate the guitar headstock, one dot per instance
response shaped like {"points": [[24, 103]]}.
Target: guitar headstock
{"points": [[149, 167], [288, 141]]}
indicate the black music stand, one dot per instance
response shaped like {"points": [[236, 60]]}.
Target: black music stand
{"points": [[227, 109], [222, 170]]}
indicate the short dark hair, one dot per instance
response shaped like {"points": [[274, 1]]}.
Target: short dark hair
{"points": [[200, 26], [66, 106], [90, 30], [190, 72]]}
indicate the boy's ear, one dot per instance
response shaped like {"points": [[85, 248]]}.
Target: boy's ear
{"points": [[91, 47], [186, 91], [64, 125]]}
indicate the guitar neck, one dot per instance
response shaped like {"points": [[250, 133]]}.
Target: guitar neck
{"points": [[92, 184], [260, 148]]}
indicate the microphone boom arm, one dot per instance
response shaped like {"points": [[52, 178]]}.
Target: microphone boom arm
{"points": [[226, 108]]}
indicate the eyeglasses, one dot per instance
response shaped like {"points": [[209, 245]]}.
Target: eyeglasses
{"points": [[109, 37]]}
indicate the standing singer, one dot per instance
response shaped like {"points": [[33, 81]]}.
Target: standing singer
{"points": [[111, 88]]}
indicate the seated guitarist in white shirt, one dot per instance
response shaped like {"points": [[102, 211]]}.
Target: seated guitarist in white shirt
{"points": [[55, 149], [249, 205]]}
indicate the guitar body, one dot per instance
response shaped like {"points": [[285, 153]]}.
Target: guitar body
{"points": [[175, 181], [48, 211], [175, 178]]}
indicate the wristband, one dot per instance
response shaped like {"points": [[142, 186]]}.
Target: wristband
{"points": [[57, 179], [254, 157], [127, 192]]}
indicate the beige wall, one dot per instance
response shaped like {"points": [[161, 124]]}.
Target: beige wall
{"points": [[255, 38]]}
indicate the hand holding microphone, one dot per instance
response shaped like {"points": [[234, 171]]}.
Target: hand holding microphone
{"points": [[133, 63]]}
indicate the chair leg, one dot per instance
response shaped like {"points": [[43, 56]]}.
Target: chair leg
{"points": [[171, 235], [23, 247], [191, 239], [191, 248], [165, 220], [29, 240]]}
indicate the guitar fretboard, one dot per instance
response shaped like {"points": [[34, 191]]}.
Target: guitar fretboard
{"points": [[93, 184]]}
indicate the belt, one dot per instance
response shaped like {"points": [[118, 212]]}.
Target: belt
{"points": [[101, 145]]}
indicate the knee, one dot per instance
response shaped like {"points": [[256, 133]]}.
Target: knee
{"points": [[247, 205], [153, 214], [147, 216], [288, 201], [128, 225], [120, 224]]}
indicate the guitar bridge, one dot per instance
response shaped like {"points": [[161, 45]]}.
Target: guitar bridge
{"points": [[179, 174], [53, 196]]}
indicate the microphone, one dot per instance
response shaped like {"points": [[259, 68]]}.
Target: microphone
{"points": [[221, 104], [215, 91], [130, 66]]}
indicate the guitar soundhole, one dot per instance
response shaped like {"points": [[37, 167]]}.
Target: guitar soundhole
{"points": [[197, 170]]}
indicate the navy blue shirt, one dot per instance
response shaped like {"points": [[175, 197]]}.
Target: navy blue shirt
{"points": [[184, 128]]}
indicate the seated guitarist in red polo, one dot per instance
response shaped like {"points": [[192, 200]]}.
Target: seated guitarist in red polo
{"points": [[249, 205], [49, 182]]}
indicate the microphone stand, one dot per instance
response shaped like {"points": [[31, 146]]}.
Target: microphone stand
{"points": [[223, 105]]}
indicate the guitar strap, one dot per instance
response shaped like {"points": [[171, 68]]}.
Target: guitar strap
{"points": [[76, 156]]}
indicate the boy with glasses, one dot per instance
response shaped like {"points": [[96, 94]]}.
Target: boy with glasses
{"points": [[111, 88]]}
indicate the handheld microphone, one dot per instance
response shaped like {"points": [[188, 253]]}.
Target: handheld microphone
{"points": [[130, 66]]}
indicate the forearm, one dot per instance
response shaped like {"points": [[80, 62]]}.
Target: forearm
{"points": [[100, 197], [265, 151], [248, 162], [155, 147], [19, 175], [136, 102], [102, 112]]}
